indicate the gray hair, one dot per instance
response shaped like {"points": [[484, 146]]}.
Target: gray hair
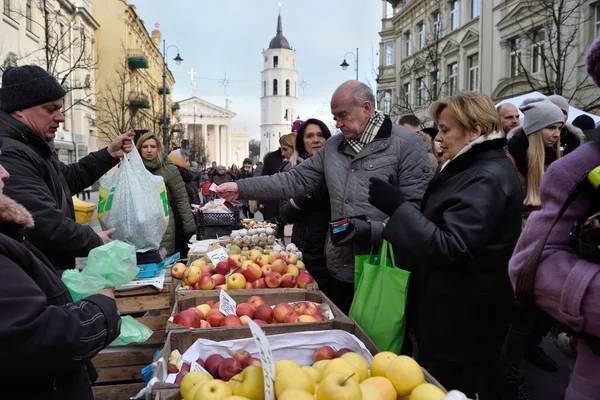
{"points": [[363, 93]]}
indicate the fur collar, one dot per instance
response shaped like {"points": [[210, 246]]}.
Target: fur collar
{"points": [[513, 132], [572, 129], [481, 139], [12, 212]]}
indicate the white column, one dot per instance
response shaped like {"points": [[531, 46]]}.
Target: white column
{"points": [[205, 139], [228, 145], [217, 138], [185, 133]]}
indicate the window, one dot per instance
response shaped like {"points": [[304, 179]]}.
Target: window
{"points": [[452, 78], [537, 51], [389, 53], [274, 87], [421, 92], [435, 84], [421, 27], [515, 57], [407, 43], [389, 10], [597, 12], [275, 61], [287, 87], [473, 62], [265, 88], [454, 14], [474, 9], [387, 102], [407, 93], [436, 24], [28, 16]]}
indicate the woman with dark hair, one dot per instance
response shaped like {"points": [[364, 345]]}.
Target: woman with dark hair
{"points": [[310, 214]]}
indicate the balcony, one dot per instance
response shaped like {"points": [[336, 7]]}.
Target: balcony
{"points": [[176, 107], [137, 59], [138, 100], [161, 90]]}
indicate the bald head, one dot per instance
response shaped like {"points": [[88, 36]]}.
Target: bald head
{"points": [[509, 116], [352, 105]]}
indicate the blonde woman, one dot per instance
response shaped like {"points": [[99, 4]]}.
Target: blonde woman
{"points": [[289, 153]]}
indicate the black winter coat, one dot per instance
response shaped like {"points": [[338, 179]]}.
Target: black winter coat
{"points": [[461, 241], [273, 163], [46, 340], [44, 185]]}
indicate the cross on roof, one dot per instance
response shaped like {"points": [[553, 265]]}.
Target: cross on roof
{"points": [[192, 73]]}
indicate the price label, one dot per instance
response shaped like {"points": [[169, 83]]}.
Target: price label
{"points": [[198, 367], [228, 305], [217, 256], [266, 357]]}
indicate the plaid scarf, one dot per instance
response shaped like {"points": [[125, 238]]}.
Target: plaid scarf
{"points": [[369, 134]]}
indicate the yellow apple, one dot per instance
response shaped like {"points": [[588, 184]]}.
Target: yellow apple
{"points": [[199, 263], [236, 281], [192, 379], [384, 385], [205, 308], [295, 394], [235, 398], [380, 362], [339, 386], [250, 383], [339, 365], [285, 364], [359, 364], [293, 378], [370, 392], [427, 391], [405, 374], [320, 365], [253, 255], [213, 390], [314, 373]]}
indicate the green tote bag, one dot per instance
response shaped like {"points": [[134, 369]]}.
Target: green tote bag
{"points": [[380, 290]]}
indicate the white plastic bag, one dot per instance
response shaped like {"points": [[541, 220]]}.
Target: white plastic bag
{"points": [[135, 202]]}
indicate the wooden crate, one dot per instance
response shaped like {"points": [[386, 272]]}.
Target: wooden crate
{"points": [[271, 297], [120, 367]]}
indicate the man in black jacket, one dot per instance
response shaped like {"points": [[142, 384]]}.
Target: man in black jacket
{"points": [[30, 114], [270, 208]]}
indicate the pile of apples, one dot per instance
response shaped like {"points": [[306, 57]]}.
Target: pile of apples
{"points": [[253, 270], [207, 315], [346, 377]]}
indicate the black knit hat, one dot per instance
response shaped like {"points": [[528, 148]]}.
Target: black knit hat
{"points": [[28, 86]]}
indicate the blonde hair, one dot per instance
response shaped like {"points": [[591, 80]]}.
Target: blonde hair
{"points": [[148, 136], [536, 167], [289, 140], [470, 109]]}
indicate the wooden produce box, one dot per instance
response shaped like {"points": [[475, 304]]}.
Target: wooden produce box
{"points": [[120, 367], [271, 297]]}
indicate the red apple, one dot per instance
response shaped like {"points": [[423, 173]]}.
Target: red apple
{"points": [[255, 301], [299, 307], [252, 272], [245, 320], [221, 287], [259, 283], [207, 269], [231, 320], [264, 312], [177, 270], [288, 281], [179, 378], [189, 318], [260, 322], [204, 324], [273, 279], [324, 353], [244, 309], [222, 268], [235, 261], [200, 362], [248, 285], [229, 368], [217, 305], [262, 260], [192, 275], [211, 303], [292, 316], [241, 356], [205, 283], [219, 279], [291, 258], [280, 311], [213, 363], [342, 351], [310, 308], [279, 266], [198, 311], [236, 271], [251, 361], [185, 367], [319, 318], [306, 318], [188, 287], [214, 317], [274, 256], [266, 269], [304, 279]]}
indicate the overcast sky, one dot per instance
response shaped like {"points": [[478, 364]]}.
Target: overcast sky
{"points": [[214, 36]]}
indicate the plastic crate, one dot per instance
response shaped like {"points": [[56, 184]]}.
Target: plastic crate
{"points": [[83, 210], [215, 219], [213, 225]]}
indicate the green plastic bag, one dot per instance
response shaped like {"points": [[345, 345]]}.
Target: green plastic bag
{"points": [[111, 265], [380, 290]]}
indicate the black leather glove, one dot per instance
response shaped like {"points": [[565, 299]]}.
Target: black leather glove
{"points": [[386, 196], [348, 230]]}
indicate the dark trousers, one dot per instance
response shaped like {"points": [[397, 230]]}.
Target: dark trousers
{"points": [[342, 294], [529, 325], [484, 378]]}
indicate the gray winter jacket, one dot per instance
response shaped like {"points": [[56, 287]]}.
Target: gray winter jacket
{"points": [[395, 150]]}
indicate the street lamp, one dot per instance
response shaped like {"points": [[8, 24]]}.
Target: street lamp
{"points": [[178, 61], [345, 65]]}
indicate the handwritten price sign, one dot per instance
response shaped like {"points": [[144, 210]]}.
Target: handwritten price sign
{"points": [[266, 357], [217, 256], [228, 305]]}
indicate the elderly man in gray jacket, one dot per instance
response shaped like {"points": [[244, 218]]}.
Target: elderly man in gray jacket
{"points": [[371, 146]]}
